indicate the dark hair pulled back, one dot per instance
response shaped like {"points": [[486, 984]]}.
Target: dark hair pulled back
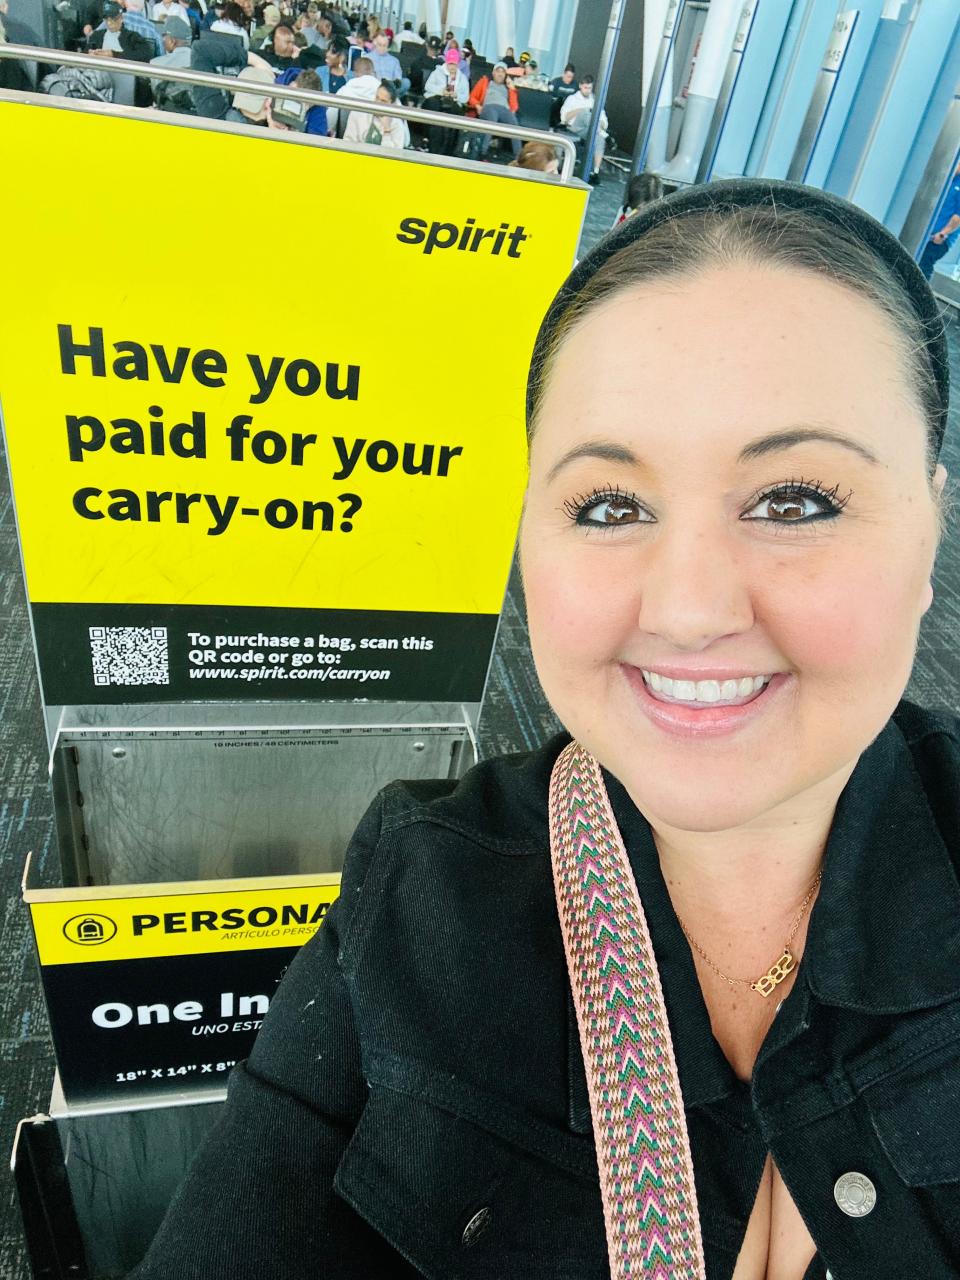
{"points": [[763, 222]]}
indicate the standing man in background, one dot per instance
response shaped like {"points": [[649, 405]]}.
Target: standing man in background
{"points": [[949, 219]]}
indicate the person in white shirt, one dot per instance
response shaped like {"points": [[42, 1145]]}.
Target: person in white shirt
{"points": [[363, 87], [378, 130], [408, 35], [165, 9], [447, 80], [576, 114], [447, 89]]}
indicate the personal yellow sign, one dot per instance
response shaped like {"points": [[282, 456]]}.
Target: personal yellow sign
{"points": [[264, 396], [156, 989], [71, 927]]}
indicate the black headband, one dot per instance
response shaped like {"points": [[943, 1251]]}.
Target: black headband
{"points": [[740, 193]]}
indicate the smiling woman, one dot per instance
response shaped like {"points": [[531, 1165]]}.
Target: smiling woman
{"points": [[677, 995], [767, 509], [735, 411]]}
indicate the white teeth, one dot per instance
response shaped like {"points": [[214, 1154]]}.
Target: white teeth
{"points": [[705, 690]]}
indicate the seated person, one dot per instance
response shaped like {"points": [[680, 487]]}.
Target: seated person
{"points": [[164, 9], [362, 87], [271, 17], [247, 107], [447, 89], [135, 19], [115, 38], [222, 50], [168, 95], [429, 57], [386, 65], [323, 32], [312, 119], [562, 87], [576, 113], [333, 74], [408, 35], [378, 130], [281, 50], [494, 99], [214, 12], [534, 78], [260, 108]]}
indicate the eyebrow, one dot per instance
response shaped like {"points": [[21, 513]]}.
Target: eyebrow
{"points": [[605, 450], [608, 451], [800, 435]]}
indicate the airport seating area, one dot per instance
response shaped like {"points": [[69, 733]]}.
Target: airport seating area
{"points": [[332, 50]]}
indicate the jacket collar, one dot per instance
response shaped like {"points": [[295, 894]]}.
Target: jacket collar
{"points": [[884, 934]]}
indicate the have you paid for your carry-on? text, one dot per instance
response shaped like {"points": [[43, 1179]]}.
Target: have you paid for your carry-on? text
{"points": [[238, 441]]}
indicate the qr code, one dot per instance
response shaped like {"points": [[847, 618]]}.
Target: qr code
{"points": [[129, 655]]}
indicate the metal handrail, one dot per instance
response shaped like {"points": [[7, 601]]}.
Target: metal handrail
{"points": [[231, 84]]}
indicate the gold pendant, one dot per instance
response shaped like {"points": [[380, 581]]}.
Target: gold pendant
{"points": [[776, 974]]}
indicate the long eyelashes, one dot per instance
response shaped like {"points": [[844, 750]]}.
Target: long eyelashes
{"points": [[576, 506], [633, 511], [807, 489]]}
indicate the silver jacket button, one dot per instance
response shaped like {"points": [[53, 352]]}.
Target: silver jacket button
{"points": [[476, 1227], [855, 1194]]}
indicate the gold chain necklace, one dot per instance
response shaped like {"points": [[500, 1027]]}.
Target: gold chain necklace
{"points": [[780, 970]]}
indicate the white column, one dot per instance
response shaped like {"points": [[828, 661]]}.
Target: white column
{"points": [[654, 16], [656, 38], [715, 45], [542, 26], [430, 10], [458, 17], [506, 26]]}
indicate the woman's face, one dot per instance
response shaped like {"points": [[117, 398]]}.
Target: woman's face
{"points": [[383, 95], [682, 520]]}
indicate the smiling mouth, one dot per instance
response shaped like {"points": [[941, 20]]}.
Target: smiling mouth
{"points": [[705, 694]]}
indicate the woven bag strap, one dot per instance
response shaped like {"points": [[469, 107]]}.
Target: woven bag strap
{"points": [[643, 1150]]}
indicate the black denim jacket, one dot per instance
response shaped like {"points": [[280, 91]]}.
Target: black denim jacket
{"points": [[416, 1104]]}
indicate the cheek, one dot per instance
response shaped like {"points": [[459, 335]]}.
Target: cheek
{"points": [[850, 620], [582, 605]]}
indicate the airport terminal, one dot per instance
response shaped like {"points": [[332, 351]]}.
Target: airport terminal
{"points": [[577, 902]]}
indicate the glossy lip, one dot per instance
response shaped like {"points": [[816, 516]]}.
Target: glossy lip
{"points": [[711, 721]]}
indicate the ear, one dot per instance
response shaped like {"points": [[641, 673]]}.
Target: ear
{"points": [[939, 479]]}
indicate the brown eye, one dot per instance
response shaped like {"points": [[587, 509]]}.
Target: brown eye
{"points": [[605, 509], [610, 511], [618, 512], [787, 508], [798, 502]]}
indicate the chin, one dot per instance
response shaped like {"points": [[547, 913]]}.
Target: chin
{"points": [[698, 807]]}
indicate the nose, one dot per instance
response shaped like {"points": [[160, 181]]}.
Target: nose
{"points": [[694, 586]]}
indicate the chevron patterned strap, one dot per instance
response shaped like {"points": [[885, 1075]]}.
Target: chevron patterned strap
{"points": [[643, 1151]]}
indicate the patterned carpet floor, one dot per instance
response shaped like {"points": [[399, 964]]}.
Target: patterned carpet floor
{"points": [[516, 717]]}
